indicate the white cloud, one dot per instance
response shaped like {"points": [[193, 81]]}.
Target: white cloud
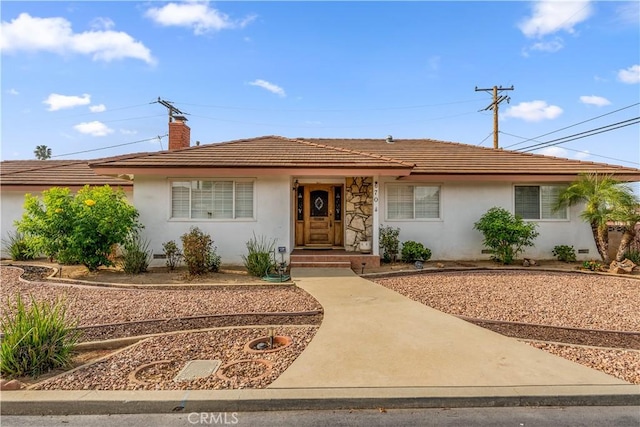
{"points": [[13, 91], [102, 23], [27, 33], [582, 155], [128, 132], [554, 151], [533, 111], [594, 100], [629, 13], [97, 108], [550, 46], [196, 15], [551, 16], [57, 102], [630, 75], [269, 86], [94, 128]]}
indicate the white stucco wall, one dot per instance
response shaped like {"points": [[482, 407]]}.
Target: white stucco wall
{"points": [[11, 203], [452, 237], [272, 218]]}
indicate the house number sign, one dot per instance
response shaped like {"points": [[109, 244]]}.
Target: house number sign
{"points": [[376, 193]]}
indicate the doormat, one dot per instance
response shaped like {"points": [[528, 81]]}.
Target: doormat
{"points": [[321, 248]]}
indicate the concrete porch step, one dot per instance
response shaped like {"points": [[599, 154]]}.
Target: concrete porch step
{"points": [[321, 264]]}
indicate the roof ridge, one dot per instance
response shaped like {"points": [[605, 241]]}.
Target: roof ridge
{"points": [[346, 150]]}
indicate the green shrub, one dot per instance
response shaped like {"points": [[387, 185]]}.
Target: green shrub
{"points": [[414, 251], [633, 255], [20, 246], [592, 265], [81, 228], [136, 255], [564, 253], [259, 261], [36, 339], [505, 234], [389, 242], [198, 252], [172, 253]]}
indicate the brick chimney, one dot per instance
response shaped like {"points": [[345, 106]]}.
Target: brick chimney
{"points": [[179, 133]]}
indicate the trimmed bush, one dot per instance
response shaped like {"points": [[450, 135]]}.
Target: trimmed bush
{"points": [[172, 254], [564, 253], [198, 252], [414, 251], [259, 261], [389, 242], [36, 339], [505, 234]]}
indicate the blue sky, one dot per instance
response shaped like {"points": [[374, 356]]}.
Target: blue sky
{"points": [[82, 76]]}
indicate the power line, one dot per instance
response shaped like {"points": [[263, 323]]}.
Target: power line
{"points": [[578, 135], [112, 146], [409, 107], [579, 151], [575, 124], [487, 137]]}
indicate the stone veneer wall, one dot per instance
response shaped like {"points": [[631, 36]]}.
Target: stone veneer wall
{"points": [[358, 211]]}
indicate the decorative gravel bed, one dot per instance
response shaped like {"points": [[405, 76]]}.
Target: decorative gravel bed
{"points": [[623, 364], [555, 299], [122, 330], [174, 351], [100, 305], [543, 298]]}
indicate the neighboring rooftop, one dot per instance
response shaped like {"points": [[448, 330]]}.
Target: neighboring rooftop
{"points": [[51, 173]]}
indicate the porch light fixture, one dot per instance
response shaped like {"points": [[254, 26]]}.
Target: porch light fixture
{"points": [[295, 185]]}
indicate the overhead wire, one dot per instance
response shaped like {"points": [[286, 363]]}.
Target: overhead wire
{"points": [[575, 124], [112, 146], [580, 135]]}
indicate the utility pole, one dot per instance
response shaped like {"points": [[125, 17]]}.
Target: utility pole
{"points": [[172, 110], [497, 99]]}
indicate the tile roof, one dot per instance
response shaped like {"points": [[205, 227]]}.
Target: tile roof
{"points": [[421, 156], [262, 152], [52, 173]]}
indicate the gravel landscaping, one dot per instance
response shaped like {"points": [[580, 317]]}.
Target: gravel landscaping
{"points": [[571, 300], [118, 371], [101, 305], [543, 300]]}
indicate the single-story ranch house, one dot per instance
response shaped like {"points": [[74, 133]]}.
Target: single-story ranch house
{"points": [[19, 177], [335, 193]]}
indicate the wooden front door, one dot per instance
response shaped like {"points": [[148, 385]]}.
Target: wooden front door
{"points": [[319, 209]]}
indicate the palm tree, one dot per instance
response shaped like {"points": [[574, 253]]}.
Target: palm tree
{"points": [[42, 152], [605, 199], [627, 214]]}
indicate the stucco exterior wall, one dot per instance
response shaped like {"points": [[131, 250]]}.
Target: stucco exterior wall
{"points": [[452, 237], [10, 211], [272, 218]]}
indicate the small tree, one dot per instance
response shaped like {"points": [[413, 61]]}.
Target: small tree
{"points": [[81, 228], [42, 152], [505, 234], [198, 252]]}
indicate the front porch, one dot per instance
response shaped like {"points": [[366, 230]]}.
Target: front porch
{"points": [[333, 258]]}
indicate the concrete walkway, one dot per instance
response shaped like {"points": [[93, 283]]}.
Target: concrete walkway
{"points": [[374, 337]]}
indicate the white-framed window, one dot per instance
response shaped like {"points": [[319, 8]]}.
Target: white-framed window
{"points": [[212, 199], [413, 201], [538, 201]]}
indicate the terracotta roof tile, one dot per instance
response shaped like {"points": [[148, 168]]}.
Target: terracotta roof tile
{"points": [[422, 156], [52, 173]]}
